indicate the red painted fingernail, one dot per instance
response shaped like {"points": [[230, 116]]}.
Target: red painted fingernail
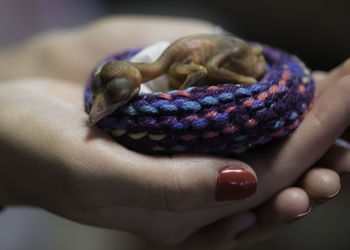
{"points": [[234, 183]]}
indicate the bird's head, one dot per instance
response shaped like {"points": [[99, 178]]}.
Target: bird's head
{"points": [[113, 87]]}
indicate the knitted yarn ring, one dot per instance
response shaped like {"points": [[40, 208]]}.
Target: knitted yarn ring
{"points": [[223, 119]]}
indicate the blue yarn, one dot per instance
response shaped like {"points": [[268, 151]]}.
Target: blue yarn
{"points": [[225, 97], [255, 88], [303, 106], [257, 104], [209, 100], [173, 91], [200, 123], [160, 103], [168, 108], [129, 110], [179, 126], [189, 89], [191, 106], [149, 109], [243, 91], [220, 117], [179, 102], [265, 87], [278, 124], [293, 115]]}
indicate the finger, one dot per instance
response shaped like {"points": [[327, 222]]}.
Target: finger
{"points": [[145, 30], [321, 184], [292, 204], [220, 235], [319, 75], [72, 54], [341, 70], [337, 157], [320, 78], [323, 124], [326, 80], [288, 206]]}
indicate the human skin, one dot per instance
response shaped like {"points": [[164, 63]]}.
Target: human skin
{"points": [[53, 160]]}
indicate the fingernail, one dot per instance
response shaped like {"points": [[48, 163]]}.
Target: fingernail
{"points": [[234, 183], [298, 217], [328, 198]]}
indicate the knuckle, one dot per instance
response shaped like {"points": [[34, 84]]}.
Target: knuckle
{"points": [[174, 195]]}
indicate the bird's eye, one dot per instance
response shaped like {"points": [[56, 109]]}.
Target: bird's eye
{"points": [[119, 89]]}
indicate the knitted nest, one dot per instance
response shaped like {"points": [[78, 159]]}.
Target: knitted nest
{"points": [[223, 119]]}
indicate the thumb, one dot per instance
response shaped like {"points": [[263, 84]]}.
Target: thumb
{"points": [[208, 181], [181, 182]]}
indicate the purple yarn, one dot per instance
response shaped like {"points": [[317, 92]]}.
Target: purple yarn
{"points": [[224, 119]]}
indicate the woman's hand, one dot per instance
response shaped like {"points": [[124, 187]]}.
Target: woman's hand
{"points": [[55, 161]]}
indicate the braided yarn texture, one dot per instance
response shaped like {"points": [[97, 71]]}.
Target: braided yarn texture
{"points": [[223, 119]]}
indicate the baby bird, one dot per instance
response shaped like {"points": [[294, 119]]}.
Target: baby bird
{"points": [[195, 60]]}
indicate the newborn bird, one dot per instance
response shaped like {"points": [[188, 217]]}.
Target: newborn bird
{"points": [[190, 61]]}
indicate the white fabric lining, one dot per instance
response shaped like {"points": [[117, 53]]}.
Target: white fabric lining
{"points": [[150, 54]]}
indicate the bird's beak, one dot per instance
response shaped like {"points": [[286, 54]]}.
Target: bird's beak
{"points": [[101, 108]]}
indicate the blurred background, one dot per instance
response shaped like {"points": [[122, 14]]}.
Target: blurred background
{"points": [[315, 30]]}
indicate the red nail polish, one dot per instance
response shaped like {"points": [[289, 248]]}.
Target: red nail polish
{"points": [[234, 183]]}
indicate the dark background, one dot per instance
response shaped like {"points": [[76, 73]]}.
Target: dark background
{"points": [[316, 30]]}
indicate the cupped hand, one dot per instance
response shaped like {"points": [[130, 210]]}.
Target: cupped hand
{"points": [[55, 161]]}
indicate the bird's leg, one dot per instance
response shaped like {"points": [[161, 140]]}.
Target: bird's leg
{"points": [[216, 72], [193, 79], [193, 73]]}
